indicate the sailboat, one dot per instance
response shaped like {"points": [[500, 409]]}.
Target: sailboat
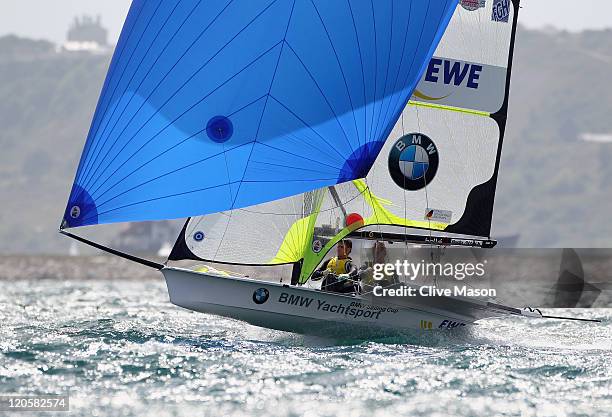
{"points": [[280, 127]]}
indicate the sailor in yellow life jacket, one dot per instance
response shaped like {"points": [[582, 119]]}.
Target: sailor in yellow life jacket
{"points": [[338, 271]]}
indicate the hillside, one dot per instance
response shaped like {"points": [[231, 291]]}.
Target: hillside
{"points": [[553, 188]]}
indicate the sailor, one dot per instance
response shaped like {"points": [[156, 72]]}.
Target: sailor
{"points": [[339, 271], [379, 256]]}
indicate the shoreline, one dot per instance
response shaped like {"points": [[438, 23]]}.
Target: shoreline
{"points": [[102, 267], [64, 267]]}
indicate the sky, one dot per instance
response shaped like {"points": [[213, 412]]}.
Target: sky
{"points": [[50, 19]]}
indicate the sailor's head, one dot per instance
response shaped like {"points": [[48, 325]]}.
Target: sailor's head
{"points": [[344, 248], [379, 252]]}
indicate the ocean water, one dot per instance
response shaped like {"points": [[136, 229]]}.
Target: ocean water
{"points": [[121, 349]]}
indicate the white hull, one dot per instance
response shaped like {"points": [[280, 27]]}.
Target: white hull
{"points": [[308, 311]]}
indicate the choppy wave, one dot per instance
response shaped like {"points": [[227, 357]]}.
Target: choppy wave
{"points": [[121, 349]]}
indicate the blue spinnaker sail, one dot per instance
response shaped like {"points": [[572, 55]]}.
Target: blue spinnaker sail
{"points": [[220, 104]]}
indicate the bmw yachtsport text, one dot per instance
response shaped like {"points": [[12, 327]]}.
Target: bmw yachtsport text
{"points": [[353, 309]]}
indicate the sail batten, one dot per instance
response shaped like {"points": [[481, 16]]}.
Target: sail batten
{"points": [[206, 102]]}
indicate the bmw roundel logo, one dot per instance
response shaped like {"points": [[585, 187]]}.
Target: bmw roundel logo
{"points": [[413, 161], [261, 295], [198, 236]]}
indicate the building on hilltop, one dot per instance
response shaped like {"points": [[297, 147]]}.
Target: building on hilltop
{"points": [[87, 35]]}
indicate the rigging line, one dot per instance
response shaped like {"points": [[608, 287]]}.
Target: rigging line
{"points": [[301, 142], [288, 251], [264, 213], [334, 193], [263, 113], [198, 258], [375, 69], [424, 65], [426, 230], [399, 68], [465, 22], [369, 191], [144, 78], [324, 98], [300, 156], [448, 108], [426, 194], [127, 256], [158, 198], [286, 180], [365, 210], [342, 157], [115, 61], [318, 171], [170, 149], [414, 58], [384, 92], [227, 169], [229, 221], [365, 122], [280, 54], [115, 90], [481, 37], [168, 173], [404, 195], [182, 86], [293, 214], [348, 92], [171, 123], [571, 318]]}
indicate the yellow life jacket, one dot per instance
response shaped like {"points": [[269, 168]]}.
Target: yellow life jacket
{"points": [[338, 266]]}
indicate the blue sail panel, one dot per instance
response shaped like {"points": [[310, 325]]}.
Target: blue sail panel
{"points": [[215, 105]]}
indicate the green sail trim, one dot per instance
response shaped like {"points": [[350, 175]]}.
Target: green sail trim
{"points": [[299, 237], [382, 216], [449, 108], [297, 244]]}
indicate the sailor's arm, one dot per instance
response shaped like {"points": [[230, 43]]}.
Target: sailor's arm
{"points": [[351, 269], [350, 275], [320, 273]]}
